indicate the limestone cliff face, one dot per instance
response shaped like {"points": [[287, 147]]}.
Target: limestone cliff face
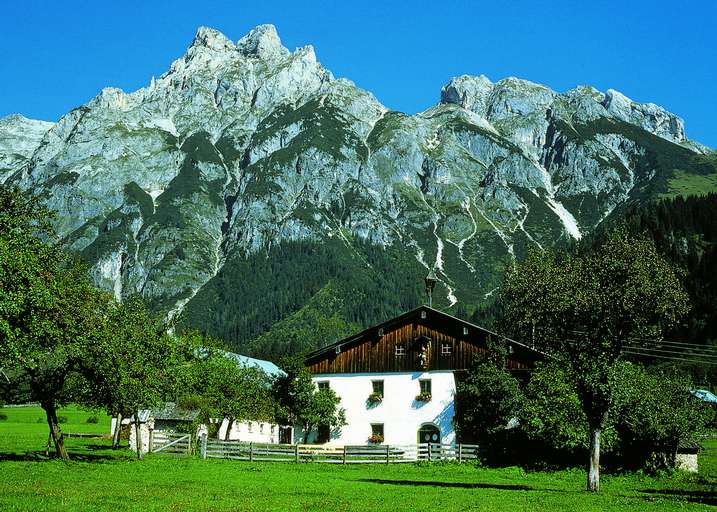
{"points": [[240, 148]]}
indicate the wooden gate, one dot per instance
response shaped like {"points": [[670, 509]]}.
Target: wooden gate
{"points": [[180, 444]]}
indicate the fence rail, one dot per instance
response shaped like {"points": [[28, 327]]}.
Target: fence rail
{"points": [[365, 454]]}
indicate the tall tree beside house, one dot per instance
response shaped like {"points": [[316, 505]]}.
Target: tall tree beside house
{"points": [[49, 312], [301, 403], [584, 308]]}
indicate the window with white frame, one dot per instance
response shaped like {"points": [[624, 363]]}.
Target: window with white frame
{"points": [[324, 384], [446, 349], [400, 350]]}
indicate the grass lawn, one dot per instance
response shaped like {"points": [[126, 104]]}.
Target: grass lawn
{"points": [[102, 479]]}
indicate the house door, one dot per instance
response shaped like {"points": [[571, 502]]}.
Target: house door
{"points": [[429, 433]]}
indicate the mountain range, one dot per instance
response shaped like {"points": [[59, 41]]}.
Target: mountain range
{"points": [[249, 193]]}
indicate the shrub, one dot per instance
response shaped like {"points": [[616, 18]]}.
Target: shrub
{"points": [[62, 419], [3, 416], [488, 396], [92, 419], [40, 420]]}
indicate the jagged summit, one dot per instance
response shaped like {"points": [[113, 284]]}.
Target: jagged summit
{"points": [[213, 39], [513, 96], [262, 42]]}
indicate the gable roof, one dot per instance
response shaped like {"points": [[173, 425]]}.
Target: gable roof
{"points": [[414, 313]]}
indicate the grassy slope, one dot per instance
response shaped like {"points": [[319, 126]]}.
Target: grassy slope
{"points": [[106, 480]]}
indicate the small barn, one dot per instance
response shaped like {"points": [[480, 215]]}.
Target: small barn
{"points": [[165, 419]]}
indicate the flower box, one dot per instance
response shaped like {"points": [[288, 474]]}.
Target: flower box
{"points": [[423, 397], [375, 398]]}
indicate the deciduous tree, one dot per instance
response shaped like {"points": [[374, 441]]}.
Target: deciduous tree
{"points": [[49, 311], [584, 308]]}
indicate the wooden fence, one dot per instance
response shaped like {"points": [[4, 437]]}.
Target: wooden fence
{"points": [[364, 454]]}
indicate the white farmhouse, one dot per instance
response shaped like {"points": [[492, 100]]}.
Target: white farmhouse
{"points": [[397, 380]]}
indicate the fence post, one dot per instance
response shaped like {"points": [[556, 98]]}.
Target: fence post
{"points": [[344, 459], [429, 452], [203, 449], [251, 451], [151, 440], [388, 454], [189, 444], [460, 453], [296, 451]]}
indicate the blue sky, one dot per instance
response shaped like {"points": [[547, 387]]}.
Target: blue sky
{"points": [[57, 55]]}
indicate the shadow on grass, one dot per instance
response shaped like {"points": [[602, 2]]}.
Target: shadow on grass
{"points": [[460, 485], [39, 456], [693, 496]]}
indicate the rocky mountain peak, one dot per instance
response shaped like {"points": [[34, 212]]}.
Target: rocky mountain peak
{"points": [[470, 92], [648, 116], [212, 39], [262, 42]]}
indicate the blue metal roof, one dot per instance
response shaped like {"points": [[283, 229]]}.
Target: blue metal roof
{"points": [[705, 395], [267, 366]]}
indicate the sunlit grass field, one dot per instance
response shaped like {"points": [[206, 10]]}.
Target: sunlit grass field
{"points": [[102, 479]]}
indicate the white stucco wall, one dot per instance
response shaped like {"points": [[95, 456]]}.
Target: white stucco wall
{"points": [[251, 431], [399, 412]]}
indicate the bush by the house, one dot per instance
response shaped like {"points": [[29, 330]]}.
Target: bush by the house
{"points": [[3, 416], [92, 419]]}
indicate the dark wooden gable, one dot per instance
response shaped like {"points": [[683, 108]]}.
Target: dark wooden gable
{"points": [[421, 340]]}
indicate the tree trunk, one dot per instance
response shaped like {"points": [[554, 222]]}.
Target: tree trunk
{"points": [[55, 430], [306, 434], [594, 467], [230, 422], [117, 432], [138, 436]]}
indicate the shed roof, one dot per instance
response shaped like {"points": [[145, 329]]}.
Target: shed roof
{"points": [[171, 411]]}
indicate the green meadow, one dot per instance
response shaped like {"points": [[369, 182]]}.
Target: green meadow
{"points": [[102, 479]]}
